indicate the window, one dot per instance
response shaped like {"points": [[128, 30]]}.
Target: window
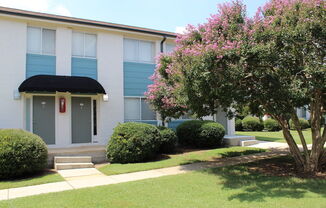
{"points": [[138, 51], [40, 41], [84, 45], [169, 47], [138, 109]]}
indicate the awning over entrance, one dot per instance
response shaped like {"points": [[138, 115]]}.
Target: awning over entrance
{"points": [[52, 83]]}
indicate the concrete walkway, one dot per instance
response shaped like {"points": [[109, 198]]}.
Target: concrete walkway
{"points": [[79, 178]]}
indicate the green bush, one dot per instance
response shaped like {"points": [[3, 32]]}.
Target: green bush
{"points": [[238, 124], [303, 122], [133, 142], [198, 133], [252, 124], [271, 125], [168, 141], [21, 153]]}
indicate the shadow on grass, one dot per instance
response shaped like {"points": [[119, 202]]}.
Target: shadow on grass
{"points": [[253, 186], [241, 153], [270, 139], [30, 176]]}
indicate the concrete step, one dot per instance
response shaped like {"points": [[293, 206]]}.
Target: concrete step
{"points": [[72, 159], [245, 143], [65, 166]]}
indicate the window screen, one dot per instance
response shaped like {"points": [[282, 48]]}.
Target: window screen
{"points": [[77, 44], [145, 51], [130, 50], [48, 41], [169, 48], [132, 109], [146, 112], [33, 40], [138, 51], [90, 45]]}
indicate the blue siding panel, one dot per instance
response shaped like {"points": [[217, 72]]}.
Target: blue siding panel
{"points": [[136, 78], [40, 64], [84, 67], [175, 123]]}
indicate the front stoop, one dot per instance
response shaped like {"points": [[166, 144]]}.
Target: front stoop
{"points": [[239, 140], [72, 162]]}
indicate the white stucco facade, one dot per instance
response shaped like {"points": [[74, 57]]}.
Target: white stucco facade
{"points": [[16, 109]]}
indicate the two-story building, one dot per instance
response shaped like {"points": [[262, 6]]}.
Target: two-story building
{"points": [[71, 80]]}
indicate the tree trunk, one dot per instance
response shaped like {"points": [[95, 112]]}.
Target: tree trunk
{"points": [[294, 149], [298, 127], [318, 139]]}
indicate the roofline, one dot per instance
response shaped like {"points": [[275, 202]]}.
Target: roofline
{"points": [[46, 16]]}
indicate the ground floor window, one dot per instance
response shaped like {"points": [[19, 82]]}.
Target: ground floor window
{"points": [[136, 108]]}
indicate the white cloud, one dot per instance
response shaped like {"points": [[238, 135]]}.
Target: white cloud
{"points": [[180, 29], [46, 6], [61, 10]]}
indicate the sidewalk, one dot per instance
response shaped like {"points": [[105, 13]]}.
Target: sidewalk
{"points": [[92, 177]]}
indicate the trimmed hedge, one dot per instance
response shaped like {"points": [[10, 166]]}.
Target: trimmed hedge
{"points": [[252, 123], [168, 141], [303, 122], [272, 125], [198, 133], [238, 124], [21, 153], [133, 142]]}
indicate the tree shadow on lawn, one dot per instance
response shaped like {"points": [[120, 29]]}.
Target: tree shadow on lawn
{"points": [[241, 153], [256, 186], [270, 139]]}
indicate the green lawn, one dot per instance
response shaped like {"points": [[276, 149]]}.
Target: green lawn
{"points": [[178, 159], [30, 181], [228, 187], [276, 136]]}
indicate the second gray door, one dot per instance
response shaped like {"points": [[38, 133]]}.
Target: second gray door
{"points": [[81, 118]]}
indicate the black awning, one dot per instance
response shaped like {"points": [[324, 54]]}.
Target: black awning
{"points": [[52, 83]]}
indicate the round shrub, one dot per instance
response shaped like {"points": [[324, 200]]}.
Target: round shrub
{"points": [[271, 125], [168, 141], [21, 153], [238, 124], [198, 133], [303, 122], [133, 142], [252, 123]]}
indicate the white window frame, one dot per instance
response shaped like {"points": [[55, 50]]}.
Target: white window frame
{"points": [[41, 41], [138, 51], [84, 51], [140, 108]]}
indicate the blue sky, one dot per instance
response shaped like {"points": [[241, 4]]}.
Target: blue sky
{"points": [[169, 15]]}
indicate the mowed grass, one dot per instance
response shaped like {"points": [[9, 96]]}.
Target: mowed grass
{"points": [[227, 187], [276, 136], [48, 177], [179, 159]]}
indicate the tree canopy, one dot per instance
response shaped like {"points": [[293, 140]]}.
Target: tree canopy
{"points": [[273, 62]]}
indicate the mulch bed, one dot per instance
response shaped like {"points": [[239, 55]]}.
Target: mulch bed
{"points": [[282, 166]]}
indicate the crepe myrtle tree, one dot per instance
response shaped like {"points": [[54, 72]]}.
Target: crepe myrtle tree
{"points": [[162, 94], [272, 63]]}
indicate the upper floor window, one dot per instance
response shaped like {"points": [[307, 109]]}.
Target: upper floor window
{"points": [[84, 44], [40, 41], [138, 51], [169, 47]]}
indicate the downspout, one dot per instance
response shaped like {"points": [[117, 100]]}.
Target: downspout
{"points": [[162, 42]]}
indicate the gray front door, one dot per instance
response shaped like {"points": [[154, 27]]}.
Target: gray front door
{"points": [[44, 118], [81, 118]]}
